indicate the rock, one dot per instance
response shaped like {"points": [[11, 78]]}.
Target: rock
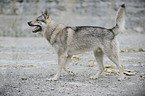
{"points": [[108, 74], [128, 70], [52, 89], [24, 78], [91, 64], [110, 66], [139, 29], [75, 58], [129, 73], [141, 49]]}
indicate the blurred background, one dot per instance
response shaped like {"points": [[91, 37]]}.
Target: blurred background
{"points": [[14, 14]]}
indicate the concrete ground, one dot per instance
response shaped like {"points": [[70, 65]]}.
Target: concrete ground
{"points": [[26, 63]]}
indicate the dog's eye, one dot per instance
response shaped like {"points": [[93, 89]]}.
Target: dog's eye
{"points": [[38, 19]]}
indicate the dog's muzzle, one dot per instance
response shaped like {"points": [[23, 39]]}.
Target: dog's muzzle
{"points": [[29, 23]]}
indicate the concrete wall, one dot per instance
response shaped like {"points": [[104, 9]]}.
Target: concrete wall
{"points": [[14, 14]]}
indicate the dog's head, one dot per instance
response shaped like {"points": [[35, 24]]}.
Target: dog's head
{"points": [[39, 22]]}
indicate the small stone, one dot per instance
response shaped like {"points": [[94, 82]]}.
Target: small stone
{"points": [[128, 70], [24, 78], [109, 66], [107, 73], [129, 73], [52, 88], [91, 64]]}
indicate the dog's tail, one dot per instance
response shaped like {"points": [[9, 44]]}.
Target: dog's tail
{"points": [[119, 20]]}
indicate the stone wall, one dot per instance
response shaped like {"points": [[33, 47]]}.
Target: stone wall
{"points": [[14, 14]]}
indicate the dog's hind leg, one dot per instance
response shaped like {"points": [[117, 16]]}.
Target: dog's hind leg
{"points": [[112, 52], [65, 65], [99, 58]]}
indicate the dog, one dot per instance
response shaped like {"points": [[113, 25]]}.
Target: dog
{"points": [[71, 40]]}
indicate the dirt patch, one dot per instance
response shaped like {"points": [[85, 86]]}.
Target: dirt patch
{"points": [[26, 63]]}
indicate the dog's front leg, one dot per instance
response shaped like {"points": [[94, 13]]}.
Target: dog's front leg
{"points": [[61, 61], [67, 63]]}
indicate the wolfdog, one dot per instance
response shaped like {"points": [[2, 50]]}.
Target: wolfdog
{"points": [[71, 40]]}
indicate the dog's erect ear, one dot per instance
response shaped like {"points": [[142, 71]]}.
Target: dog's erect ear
{"points": [[46, 13], [43, 15]]}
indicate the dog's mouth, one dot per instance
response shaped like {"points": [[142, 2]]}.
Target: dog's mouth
{"points": [[37, 29]]}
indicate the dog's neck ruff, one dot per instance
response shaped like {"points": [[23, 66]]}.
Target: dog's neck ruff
{"points": [[52, 30]]}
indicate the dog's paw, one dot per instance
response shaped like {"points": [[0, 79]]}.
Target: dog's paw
{"points": [[52, 79], [121, 77], [94, 77], [71, 73], [55, 78]]}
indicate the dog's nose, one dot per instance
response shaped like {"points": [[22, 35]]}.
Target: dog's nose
{"points": [[29, 23], [123, 5]]}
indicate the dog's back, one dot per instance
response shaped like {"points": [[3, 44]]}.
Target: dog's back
{"points": [[88, 38]]}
